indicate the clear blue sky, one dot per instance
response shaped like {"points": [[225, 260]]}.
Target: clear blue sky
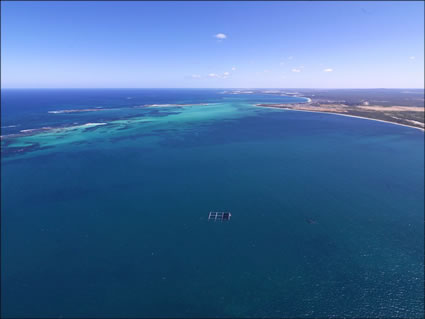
{"points": [[213, 44]]}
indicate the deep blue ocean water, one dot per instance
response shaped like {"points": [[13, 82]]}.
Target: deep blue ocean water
{"points": [[110, 219]]}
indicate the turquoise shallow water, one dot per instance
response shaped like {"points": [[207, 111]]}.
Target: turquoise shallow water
{"points": [[111, 220]]}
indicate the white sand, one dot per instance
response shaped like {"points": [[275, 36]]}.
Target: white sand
{"points": [[360, 117]]}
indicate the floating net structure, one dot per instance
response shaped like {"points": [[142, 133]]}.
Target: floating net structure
{"points": [[219, 216]]}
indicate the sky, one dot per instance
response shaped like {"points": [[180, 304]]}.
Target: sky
{"points": [[220, 44]]}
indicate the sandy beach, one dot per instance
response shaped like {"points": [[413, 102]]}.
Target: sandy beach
{"points": [[323, 110]]}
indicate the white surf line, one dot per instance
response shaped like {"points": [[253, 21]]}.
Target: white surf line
{"points": [[359, 117]]}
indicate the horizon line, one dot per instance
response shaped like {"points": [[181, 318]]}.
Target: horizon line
{"points": [[210, 88]]}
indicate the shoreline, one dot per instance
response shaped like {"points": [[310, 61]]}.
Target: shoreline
{"points": [[348, 115]]}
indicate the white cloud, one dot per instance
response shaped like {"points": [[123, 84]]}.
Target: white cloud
{"points": [[234, 68], [296, 70], [196, 76], [328, 70], [219, 76], [220, 36], [412, 57]]}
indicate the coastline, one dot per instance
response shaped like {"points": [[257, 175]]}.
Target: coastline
{"points": [[355, 116]]}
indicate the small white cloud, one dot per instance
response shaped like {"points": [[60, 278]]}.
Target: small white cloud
{"points": [[234, 68], [196, 76], [412, 57], [220, 36], [328, 70], [213, 75], [296, 70], [226, 73]]}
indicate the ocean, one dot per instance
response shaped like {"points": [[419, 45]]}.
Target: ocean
{"points": [[104, 212]]}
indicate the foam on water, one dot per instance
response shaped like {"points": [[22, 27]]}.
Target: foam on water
{"points": [[112, 219]]}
